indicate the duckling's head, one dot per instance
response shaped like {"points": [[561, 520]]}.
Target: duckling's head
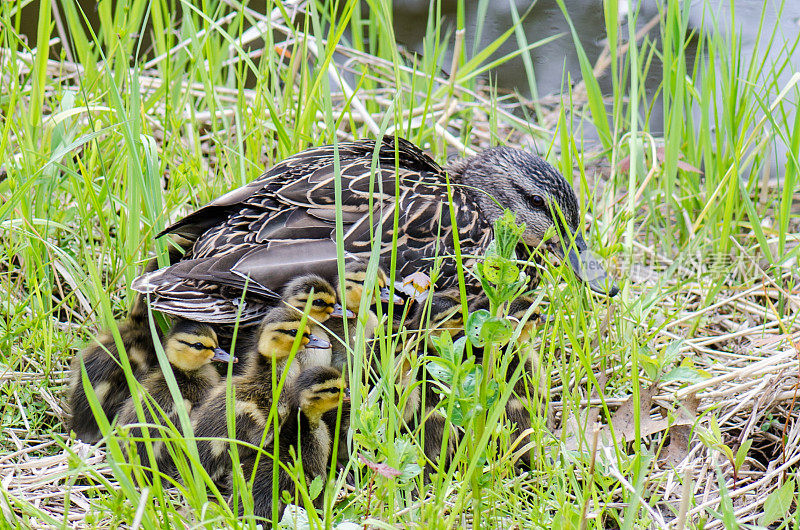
{"points": [[277, 332], [323, 296], [355, 278], [446, 314], [318, 390], [191, 345], [504, 177]]}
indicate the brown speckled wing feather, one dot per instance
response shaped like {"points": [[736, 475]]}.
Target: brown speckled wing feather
{"points": [[283, 224]]}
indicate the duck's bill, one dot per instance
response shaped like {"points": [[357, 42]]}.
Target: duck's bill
{"points": [[222, 356], [386, 297], [589, 269], [316, 342], [339, 311]]}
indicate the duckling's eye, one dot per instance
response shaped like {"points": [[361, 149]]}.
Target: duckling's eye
{"points": [[199, 346], [292, 332], [537, 201], [319, 302]]}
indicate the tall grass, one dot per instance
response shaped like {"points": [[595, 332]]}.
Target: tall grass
{"points": [[170, 104]]}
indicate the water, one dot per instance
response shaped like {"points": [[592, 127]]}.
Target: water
{"points": [[552, 61], [556, 63]]}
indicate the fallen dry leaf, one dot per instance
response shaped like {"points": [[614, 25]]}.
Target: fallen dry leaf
{"points": [[680, 433], [624, 422]]}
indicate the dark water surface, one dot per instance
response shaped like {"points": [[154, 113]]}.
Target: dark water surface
{"points": [[551, 61], [556, 62]]}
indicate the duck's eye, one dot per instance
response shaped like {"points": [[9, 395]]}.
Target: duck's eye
{"points": [[292, 332], [319, 302], [199, 346], [537, 201]]}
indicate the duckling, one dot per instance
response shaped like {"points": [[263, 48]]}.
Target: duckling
{"points": [[103, 366], [105, 372], [190, 348], [518, 405], [303, 434], [355, 277], [446, 316], [254, 393], [323, 307]]}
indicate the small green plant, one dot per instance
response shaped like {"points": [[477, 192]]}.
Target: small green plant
{"points": [[712, 438], [476, 389]]}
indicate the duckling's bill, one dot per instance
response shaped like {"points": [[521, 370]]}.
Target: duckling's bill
{"points": [[339, 311], [386, 296], [316, 342], [223, 356]]}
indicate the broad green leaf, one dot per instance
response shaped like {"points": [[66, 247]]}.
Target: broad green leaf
{"points": [[475, 324], [496, 331], [471, 381], [440, 371], [444, 345], [315, 488], [684, 373], [777, 504]]}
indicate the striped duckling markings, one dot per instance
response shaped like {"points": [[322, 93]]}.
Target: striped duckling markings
{"points": [[254, 392], [316, 392], [190, 348]]}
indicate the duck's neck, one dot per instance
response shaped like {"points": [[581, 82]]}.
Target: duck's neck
{"points": [[299, 422], [476, 186]]}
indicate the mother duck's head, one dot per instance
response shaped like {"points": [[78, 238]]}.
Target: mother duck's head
{"points": [[504, 177]]}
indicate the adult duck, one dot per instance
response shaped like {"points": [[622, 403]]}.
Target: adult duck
{"points": [[261, 235]]}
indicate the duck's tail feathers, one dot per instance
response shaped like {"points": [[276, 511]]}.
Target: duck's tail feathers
{"points": [[138, 311]]}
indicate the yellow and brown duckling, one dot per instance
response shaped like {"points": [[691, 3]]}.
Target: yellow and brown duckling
{"points": [[531, 386], [104, 367], [254, 392], [190, 347], [323, 305], [303, 434], [355, 280], [105, 373]]}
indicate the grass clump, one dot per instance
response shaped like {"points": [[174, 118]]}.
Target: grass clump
{"points": [[110, 131]]}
